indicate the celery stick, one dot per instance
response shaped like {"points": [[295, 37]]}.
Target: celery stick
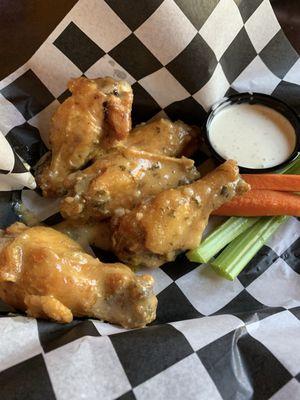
{"points": [[293, 168], [219, 238], [241, 250]]}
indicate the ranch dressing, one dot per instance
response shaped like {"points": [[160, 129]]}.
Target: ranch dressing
{"points": [[255, 136]]}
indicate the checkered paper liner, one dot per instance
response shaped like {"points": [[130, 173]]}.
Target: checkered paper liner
{"points": [[212, 339]]}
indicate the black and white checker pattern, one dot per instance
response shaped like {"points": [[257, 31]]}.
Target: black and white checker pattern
{"points": [[212, 339]]}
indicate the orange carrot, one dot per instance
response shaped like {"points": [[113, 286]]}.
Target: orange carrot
{"points": [[284, 183], [256, 203]]}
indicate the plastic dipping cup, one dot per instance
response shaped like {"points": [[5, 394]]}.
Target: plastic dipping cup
{"points": [[258, 131]]}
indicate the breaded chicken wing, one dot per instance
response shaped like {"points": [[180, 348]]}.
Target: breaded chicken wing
{"points": [[47, 274], [120, 180], [174, 220], [97, 114]]}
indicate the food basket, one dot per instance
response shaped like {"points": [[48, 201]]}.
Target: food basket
{"points": [[212, 339]]}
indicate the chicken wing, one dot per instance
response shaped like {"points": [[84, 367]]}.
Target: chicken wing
{"points": [[97, 114], [120, 180], [95, 233], [164, 137], [47, 274], [173, 221]]}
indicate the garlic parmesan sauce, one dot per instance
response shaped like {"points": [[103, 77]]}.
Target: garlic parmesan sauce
{"points": [[255, 136]]}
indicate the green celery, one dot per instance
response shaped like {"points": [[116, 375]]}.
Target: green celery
{"points": [[219, 238], [243, 246], [241, 250], [293, 168]]}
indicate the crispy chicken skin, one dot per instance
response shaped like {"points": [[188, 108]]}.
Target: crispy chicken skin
{"points": [[120, 180], [174, 220], [97, 114], [47, 274]]}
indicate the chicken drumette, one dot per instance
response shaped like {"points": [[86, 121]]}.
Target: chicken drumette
{"points": [[173, 221], [47, 274], [96, 115]]}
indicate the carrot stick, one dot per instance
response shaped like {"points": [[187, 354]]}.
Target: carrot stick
{"points": [[256, 203], [284, 183]]}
